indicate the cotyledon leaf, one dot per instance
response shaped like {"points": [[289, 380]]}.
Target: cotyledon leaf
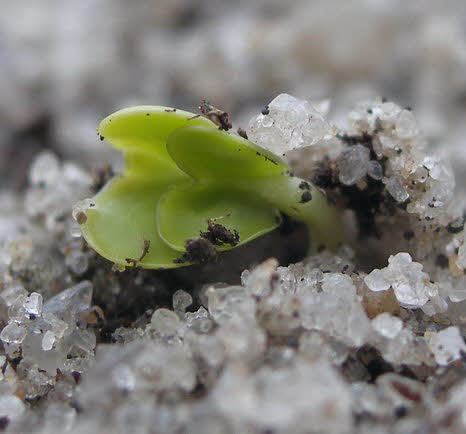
{"points": [[141, 133], [206, 154], [123, 220], [218, 160], [183, 212], [219, 157], [147, 127], [123, 217], [122, 225]]}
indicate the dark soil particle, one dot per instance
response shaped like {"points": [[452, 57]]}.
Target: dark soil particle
{"points": [[373, 361], [408, 235], [76, 376], [242, 133], [456, 226], [4, 421], [325, 174], [442, 261], [199, 251], [218, 117], [218, 234], [265, 111], [400, 411], [306, 197], [304, 185], [15, 362]]}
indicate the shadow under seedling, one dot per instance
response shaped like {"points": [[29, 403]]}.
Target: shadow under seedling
{"points": [[190, 170]]}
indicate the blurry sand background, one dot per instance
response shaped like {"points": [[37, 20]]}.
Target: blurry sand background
{"points": [[64, 65]]}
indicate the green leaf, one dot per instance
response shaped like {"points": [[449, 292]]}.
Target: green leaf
{"points": [[182, 174], [204, 153], [184, 211], [123, 218], [141, 133], [147, 127]]}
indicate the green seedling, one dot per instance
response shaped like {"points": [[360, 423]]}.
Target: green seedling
{"points": [[190, 190]]}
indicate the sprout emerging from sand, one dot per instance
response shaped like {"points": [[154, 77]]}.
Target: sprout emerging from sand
{"points": [[190, 190]]}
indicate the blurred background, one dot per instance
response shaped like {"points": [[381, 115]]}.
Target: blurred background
{"points": [[64, 65]]}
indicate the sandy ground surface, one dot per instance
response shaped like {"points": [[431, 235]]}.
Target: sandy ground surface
{"points": [[367, 339]]}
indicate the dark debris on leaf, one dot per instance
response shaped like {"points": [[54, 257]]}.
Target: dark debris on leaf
{"points": [[218, 117], [199, 250], [242, 133], [145, 250], [306, 197], [304, 185], [218, 234], [202, 249]]}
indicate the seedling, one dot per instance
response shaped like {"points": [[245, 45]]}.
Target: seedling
{"points": [[190, 190]]}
